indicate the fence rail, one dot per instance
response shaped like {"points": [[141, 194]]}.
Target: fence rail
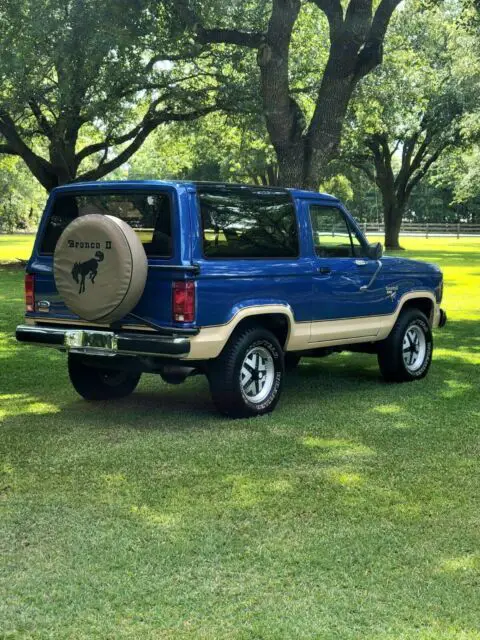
{"points": [[426, 229]]}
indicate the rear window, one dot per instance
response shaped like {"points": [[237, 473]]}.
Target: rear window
{"points": [[149, 215], [248, 223]]}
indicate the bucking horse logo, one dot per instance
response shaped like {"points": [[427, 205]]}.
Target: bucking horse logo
{"points": [[82, 270]]}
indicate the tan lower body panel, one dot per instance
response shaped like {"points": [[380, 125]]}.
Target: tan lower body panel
{"points": [[307, 335]]}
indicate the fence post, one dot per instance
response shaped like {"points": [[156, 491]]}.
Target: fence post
{"points": [[426, 235], [365, 228], [458, 230]]}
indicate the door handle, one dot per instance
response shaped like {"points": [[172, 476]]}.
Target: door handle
{"points": [[325, 271], [374, 277]]}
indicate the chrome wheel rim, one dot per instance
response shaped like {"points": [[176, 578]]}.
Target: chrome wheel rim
{"points": [[257, 375], [414, 348]]}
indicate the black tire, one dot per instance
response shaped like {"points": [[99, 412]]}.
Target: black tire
{"points": [[406, 354], [97, 383], [229, 386], [292, 360]]}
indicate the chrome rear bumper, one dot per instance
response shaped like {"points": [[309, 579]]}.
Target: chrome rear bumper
{"points": [[104, 343]]}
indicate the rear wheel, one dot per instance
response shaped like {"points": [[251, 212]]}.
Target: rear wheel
{"points": [[406, 354], [247, 378], [97, 383]]}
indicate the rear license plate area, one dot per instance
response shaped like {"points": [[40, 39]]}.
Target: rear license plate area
{"points": [[93, 342]]}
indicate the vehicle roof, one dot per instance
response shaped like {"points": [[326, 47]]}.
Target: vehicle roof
{"points": [[175, 184]]}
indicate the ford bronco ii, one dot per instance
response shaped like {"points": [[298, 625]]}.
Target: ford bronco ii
{"points": [[234, 282]]}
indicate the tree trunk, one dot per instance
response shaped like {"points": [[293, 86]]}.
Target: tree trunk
{"points": [[393, 215]]}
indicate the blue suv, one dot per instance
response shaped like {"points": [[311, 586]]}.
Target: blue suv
{"points": [[231, 281]]}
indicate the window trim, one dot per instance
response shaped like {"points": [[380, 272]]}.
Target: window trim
{"points": [[220, 258], [82, 192], [350, 229]]}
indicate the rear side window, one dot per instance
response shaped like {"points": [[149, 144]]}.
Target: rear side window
{"points": [[248, 223], [149, 215]]}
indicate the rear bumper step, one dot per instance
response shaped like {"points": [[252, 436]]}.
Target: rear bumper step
{"points": [[104, 343]]}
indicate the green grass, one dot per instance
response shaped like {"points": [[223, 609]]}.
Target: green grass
{"points": [[15, 247], [352, 512]]}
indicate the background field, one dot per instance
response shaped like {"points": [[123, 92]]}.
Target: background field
{"points": [[351, 512], [15, 247]]}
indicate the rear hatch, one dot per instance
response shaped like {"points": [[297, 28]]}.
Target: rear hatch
{"points": [[153, 211]]}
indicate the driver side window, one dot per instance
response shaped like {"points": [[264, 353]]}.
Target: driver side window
{"points": [[332, 235]]}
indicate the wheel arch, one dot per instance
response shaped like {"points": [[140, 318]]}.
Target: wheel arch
{"points": [[277, 323], [211, 341], [423, 303]]}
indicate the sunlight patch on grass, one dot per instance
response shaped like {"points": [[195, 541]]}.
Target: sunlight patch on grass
{"points": [[13, 404], [456, 388], [408, 510], [337, 448], [401, 425], [388, 409], [470, 357], [345, 478], [280, 486], [245, 491], [152, 516], [469, 562]]}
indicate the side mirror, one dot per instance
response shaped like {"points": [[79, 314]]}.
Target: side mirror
{"points": [[375, 251]]}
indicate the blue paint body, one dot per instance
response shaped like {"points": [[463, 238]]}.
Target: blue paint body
{"points": [[225, 286]]}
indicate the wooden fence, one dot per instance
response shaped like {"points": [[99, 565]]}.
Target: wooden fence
{"points": [[426, 229]]}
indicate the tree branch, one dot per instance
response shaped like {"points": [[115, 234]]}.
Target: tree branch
{"points": [[40, 118], [6, 149], [161, 57], [424, 170], [215, 36], [40, 168], [371, 54], [334, 13], [107, 143], [421, 153], [249, 39], [149, 124], [363, 166], [406, 167]]}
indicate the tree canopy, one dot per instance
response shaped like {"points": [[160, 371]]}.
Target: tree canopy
{"points": [[89, 80]]}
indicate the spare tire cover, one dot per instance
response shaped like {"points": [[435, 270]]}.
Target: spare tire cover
{"points": [[100, 268]]}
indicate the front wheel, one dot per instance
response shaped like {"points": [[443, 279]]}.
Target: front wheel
{"points": [[97, 383], [247, 378], [406, 354]]}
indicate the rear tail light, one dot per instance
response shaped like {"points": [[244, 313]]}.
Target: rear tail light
{"points": [[29, 292], [183, 301]]}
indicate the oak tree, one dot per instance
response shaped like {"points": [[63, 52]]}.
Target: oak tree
{"points": [[84, 82], [304, 142]]}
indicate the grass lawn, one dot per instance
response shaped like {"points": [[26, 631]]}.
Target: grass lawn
{"points": [[15, 247], [352, 512]]}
